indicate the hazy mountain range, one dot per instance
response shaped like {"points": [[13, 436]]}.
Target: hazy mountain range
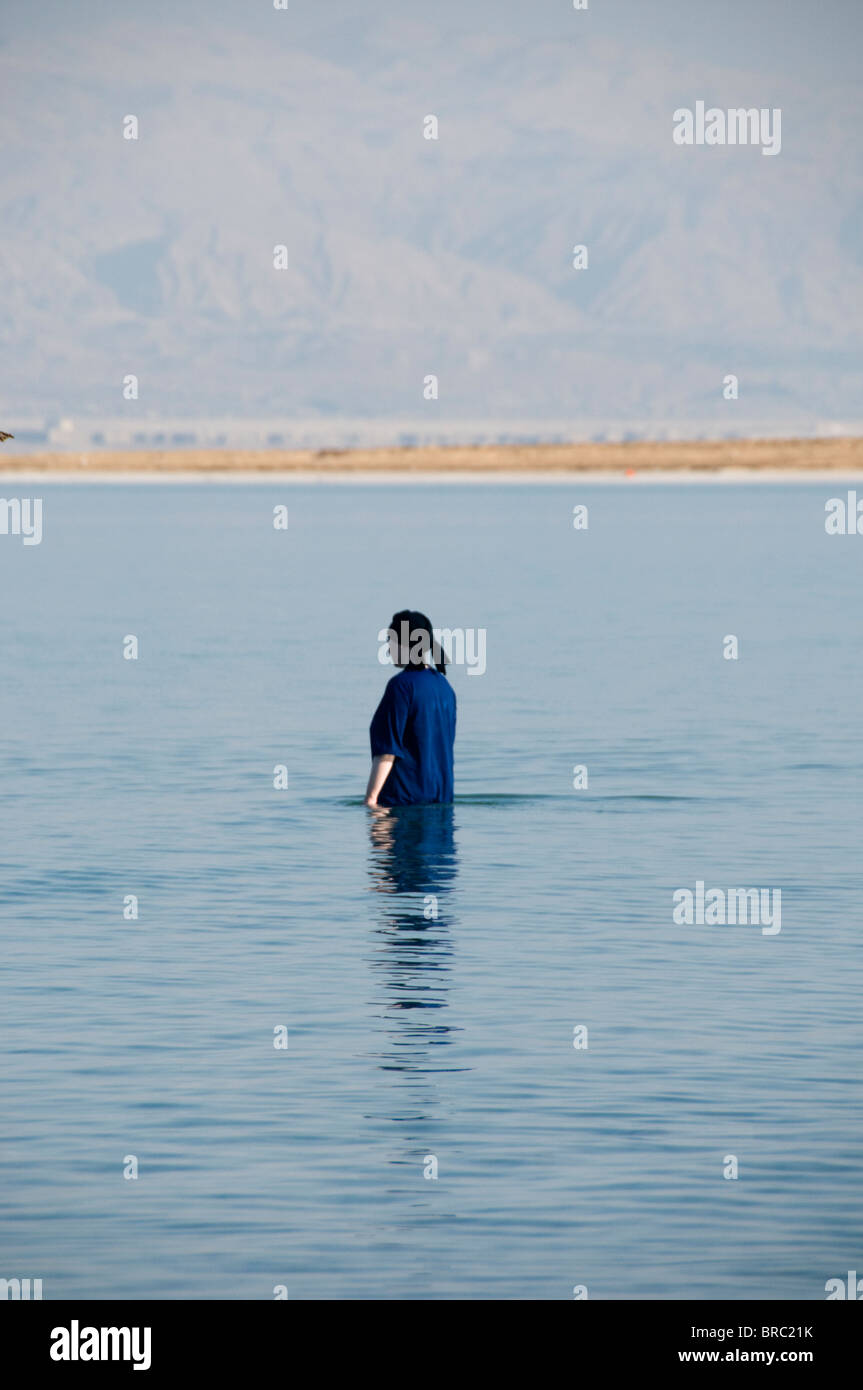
{"points": [[406, 256]]}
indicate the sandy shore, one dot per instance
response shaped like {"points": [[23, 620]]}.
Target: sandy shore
{"points": [[725, 458]]}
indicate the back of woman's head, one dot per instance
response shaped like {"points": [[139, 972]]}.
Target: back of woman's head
{"points": [[415, 641]]}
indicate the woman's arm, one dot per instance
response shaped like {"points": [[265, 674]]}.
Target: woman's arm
{"points": [[381, 769]]}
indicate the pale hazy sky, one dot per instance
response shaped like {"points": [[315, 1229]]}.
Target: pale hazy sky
{"points": [[802, 38]]}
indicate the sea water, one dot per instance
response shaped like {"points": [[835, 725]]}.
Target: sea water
{"points": [[257, 1041]]}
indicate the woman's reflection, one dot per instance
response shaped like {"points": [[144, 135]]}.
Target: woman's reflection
{"points": [[412, 866]]}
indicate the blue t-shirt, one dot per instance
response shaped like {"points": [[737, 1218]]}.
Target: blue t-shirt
{"points": [[415, 720]]}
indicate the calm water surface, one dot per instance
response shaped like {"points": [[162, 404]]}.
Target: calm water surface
{"points": [[411, 1035]]}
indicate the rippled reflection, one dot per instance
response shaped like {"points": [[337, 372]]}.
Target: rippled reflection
{"points": [[412, 868]]}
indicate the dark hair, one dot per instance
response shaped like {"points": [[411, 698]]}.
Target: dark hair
{"points": [[418, 631]]}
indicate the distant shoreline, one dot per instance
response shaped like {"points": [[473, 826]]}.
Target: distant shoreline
{"points": [[733, 460]]}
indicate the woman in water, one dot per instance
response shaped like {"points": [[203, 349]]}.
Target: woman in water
{"points": [[413, 729]]}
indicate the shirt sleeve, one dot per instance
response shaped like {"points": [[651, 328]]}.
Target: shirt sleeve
{"points": [[390, 720]]}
